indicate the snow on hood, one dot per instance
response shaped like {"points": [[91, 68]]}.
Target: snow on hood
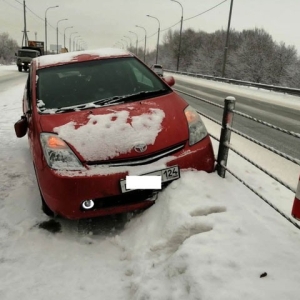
{"points": [[107, 136], [54, 59]]}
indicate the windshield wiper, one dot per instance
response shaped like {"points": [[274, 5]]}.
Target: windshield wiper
{"points": [[70, 109], [138, 96], [108, 100]]}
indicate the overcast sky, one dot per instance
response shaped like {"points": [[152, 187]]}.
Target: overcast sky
{"points": [[102, 23]]}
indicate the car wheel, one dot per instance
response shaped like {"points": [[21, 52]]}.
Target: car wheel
{"points": [[45, 208], [20, 68]]}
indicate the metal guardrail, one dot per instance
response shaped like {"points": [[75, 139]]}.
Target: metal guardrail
{"points": [[225, 146], [281, 89]]}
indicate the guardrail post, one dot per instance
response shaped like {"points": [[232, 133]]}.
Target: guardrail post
{"points": [[229, 105], [296, 206]]}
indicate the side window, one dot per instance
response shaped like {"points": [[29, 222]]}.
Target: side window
{"points": [[141, 78]]}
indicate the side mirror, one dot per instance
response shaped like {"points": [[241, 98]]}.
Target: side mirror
{"points": [[21, 127], [169, 80]]}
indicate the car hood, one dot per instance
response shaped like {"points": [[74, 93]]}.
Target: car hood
{"points": [[121, 132]]}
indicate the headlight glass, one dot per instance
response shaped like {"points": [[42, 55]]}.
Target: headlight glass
{"points": [[197, 130], [58, 154]]}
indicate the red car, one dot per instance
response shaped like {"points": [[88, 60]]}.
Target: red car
{"points": [[95, 118]]}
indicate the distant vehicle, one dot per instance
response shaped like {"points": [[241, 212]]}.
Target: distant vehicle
{"points": [[64, 50], [96, 117], [27, 53], [158, 69]]}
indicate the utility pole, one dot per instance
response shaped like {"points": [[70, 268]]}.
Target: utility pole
{"points": [[227, 39], [25, 37], [35, 34]]}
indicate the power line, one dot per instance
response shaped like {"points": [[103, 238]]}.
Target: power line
{"points": [[188, 19], [206, 11], [12, 5]]}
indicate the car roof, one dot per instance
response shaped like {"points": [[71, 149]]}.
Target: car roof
{"points": [[80, 56]]}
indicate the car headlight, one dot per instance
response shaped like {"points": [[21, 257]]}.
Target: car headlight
{"points": [[58, 154], [197, 130]]}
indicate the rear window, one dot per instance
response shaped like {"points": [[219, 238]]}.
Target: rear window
{"points": [[85, 82], [157, 67]]}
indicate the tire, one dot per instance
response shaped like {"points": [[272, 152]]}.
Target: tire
{"points": [[45, 208], [20, 68]]}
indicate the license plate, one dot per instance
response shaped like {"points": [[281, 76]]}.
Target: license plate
{"points": [[167, 174]]}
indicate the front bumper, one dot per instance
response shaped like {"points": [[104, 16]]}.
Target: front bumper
{"points": [[65, 191]]}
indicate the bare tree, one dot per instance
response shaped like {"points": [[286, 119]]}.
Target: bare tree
{"points": [[8, 47]]}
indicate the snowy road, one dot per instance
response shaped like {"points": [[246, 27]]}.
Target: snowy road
{"points": [[280, 114]]}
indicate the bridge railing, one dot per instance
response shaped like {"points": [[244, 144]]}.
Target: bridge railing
{"points": [[225, 146], [281, 89]]}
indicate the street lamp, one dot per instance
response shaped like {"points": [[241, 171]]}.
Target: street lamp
{"points": [[70, 40], [227, 39], [78, 44], [129, 40], [57, 33], [157, 35], [46, 26], [179, 47], [81, 46], [74, 44], [121, 44], [65, 35], [145, 41], [136, 43], [125, 42]]}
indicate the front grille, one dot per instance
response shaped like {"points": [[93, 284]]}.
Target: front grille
{"points": [[140, 160]]}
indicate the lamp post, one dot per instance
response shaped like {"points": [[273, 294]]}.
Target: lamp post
{"points": [[136, 42], [74, 44], [127, 37], [83, 45], [227, 39], [158, 32], [46, 26], [121, 44], [57, 33], [145, 41], [78, 44], [125, 42], [179, 47], [70, 40], [65, 35]]}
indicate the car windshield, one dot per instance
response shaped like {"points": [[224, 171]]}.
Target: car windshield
{"points": [[89, 82], [27, 54]]}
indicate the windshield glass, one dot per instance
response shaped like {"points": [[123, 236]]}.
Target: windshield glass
{"points": [[27, 54], [88, 82]]}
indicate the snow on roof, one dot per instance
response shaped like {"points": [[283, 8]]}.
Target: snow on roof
{"points": [[54, 59]]}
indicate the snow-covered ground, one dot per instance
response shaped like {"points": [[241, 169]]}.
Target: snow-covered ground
{"points": [[205, 238]]}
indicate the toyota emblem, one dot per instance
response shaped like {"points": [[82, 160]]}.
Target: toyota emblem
{"points": [[139, 148]]}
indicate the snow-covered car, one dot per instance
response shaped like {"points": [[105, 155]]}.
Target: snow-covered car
{"points": [[158, 69], [97, 119]]}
